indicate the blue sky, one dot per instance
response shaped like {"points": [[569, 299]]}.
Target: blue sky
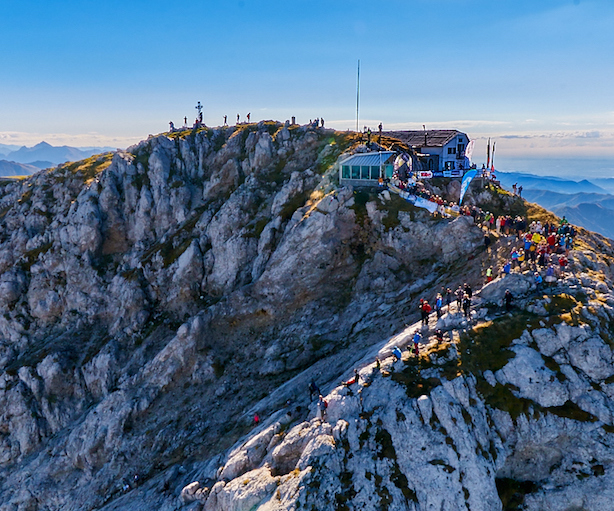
{"points": [[537, 76]]}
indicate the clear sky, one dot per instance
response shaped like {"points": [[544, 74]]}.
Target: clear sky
{"points": [[537, 76]]}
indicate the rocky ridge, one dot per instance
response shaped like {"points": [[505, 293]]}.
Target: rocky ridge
{"points": [[155, 299]]}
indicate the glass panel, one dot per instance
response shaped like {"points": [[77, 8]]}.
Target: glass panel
{"points": [[389, 169], [374, 172], [345, 171], [355, 171], [364, 172]]}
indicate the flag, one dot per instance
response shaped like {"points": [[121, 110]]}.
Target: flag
{"points": [[465, 183], [426, 204], [469, 150], [488, 154], [492, 163]]}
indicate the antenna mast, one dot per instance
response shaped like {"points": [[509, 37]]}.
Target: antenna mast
{"points": [[357, 94]]}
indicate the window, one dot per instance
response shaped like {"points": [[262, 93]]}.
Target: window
{"points": [[345, 171], [364, 172], [374, 172], [451, 150], [355, 171]]}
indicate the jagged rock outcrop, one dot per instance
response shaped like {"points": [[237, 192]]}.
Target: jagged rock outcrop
{"points": [[155, 299]]}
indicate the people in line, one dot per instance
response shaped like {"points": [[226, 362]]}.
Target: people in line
{"points": [[541, 247]]}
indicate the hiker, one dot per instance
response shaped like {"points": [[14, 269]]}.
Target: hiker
{"points": [[356, 376], [438, 304], [425, 310], [537, 278], [563, 263], [322, 406], [468, 290], [467, 306], [256, 419], [248, 116], [225, 119], [541, 260], [448, 299], [238, 118], [507, 267], [185, 121], [439, 335], [459, 298], [396, 351], [514, 186], [508, 300], [489, 274], [550, 276], [313, 389], [514, 256], [416, 340], [520, 191], [486, 241], [171, 126], [568, 244]]}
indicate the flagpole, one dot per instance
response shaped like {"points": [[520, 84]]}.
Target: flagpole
{"points": [[357, 93]]}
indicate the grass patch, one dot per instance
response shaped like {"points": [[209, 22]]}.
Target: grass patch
{"points": [[571, 410], [502, 398], [486, 346], [87, 169], [415, 385], [385, 449]]}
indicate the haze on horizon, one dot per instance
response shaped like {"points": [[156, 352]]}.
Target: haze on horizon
{"points": [[534, 76]]}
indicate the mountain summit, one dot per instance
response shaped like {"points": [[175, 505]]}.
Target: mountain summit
{"points": [[157, 301]]}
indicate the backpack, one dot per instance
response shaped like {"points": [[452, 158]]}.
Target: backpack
{"points": [[325, 404]]}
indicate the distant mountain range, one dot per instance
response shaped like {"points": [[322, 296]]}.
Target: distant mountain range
{"points": [[12, 169], [6, 149], [27, 160], [551, 183], [589, 204]]}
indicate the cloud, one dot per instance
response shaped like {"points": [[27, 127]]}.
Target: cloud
{"points": [[555, 144], [467, 125]]}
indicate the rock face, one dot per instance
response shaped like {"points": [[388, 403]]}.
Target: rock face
{"points": [[154, 300]]}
